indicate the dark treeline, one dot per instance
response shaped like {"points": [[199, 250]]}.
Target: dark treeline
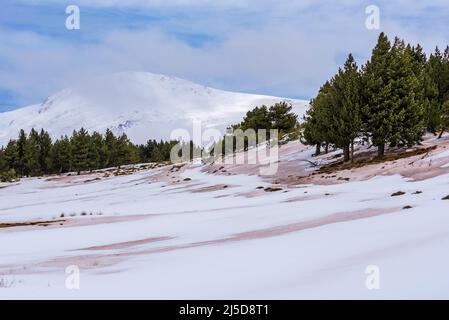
{"points": [[392, 100], [36, 154]]}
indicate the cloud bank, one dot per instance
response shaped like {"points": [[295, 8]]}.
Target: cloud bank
{"points": [[284, 48]]}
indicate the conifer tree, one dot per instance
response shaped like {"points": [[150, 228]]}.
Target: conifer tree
{"points": [[444, 118], [378, 116], [437, 85], [282, 117], [45, 143], [345, 121], [432, 107], [257, 118], [156, 155], [80, 149], [32, 154], [60, 155], [21, 144], [406, 97], [100, 145], [93, 154], [11, 155], [3, 162], [110, 148], [122, 151], [317, 120], [392, 110], [65, 154]]}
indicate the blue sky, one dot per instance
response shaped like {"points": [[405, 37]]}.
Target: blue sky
{"points": [[284, 48]]}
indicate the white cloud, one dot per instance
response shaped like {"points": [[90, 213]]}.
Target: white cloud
{"points": [[293, 47]]}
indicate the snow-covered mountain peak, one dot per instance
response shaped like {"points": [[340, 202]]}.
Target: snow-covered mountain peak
{"points": [[141, 104]]}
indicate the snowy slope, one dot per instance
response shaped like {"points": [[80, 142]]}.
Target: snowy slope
{"points": [[160, 236], [192, 240], [144, 105]]}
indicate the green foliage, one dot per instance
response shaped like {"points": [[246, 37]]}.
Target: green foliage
{"points": [[7, 175], [393, 96], [282, 118], [317, 120], [345, 122], [377, 112], [277, 117], [80, 150], [61, 155], [35, 154], [154, 151], [256, 119], [31, 156], [444, 117], [390, 101], [335, 114]]}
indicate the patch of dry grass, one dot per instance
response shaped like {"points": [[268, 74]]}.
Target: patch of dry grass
{"points": [[369, 158], [29, 223]]}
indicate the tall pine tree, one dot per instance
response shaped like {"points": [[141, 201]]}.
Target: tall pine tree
{"points": [[80, 149], [345, 122]]}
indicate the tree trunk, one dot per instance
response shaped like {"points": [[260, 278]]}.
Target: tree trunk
{"points": [[441, 133], [352, 151], [326, 150], [317, 149], [381, 150], [346, 153]]}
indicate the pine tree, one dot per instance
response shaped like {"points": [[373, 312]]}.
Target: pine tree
{"points": [[156, 155], [93, 154], [11, 155], [65, 154], [437, 87], [444, 78], [444, 118], [80, 149], [282, 117], [101, 147], [60, 155], [122, 151], [444, 92], [345, 121], [146, 151], [410, 92], [393, 95], [3, 162], [317, 120], [378, 116], [432, 107], [21, 144], [110, 148], [45, 143], [257, 118], [32, 154]]}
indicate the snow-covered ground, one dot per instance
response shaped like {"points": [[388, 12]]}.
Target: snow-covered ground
{"points": [[185, 232]]}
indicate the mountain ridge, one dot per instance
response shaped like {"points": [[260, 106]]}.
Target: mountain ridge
{"points": [[143, 105]]}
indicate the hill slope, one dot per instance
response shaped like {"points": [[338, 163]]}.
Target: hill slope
{"points": [[143, 105], [196, 232]]}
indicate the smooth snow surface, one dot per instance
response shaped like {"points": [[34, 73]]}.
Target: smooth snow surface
{"points": [[221, 236]]}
